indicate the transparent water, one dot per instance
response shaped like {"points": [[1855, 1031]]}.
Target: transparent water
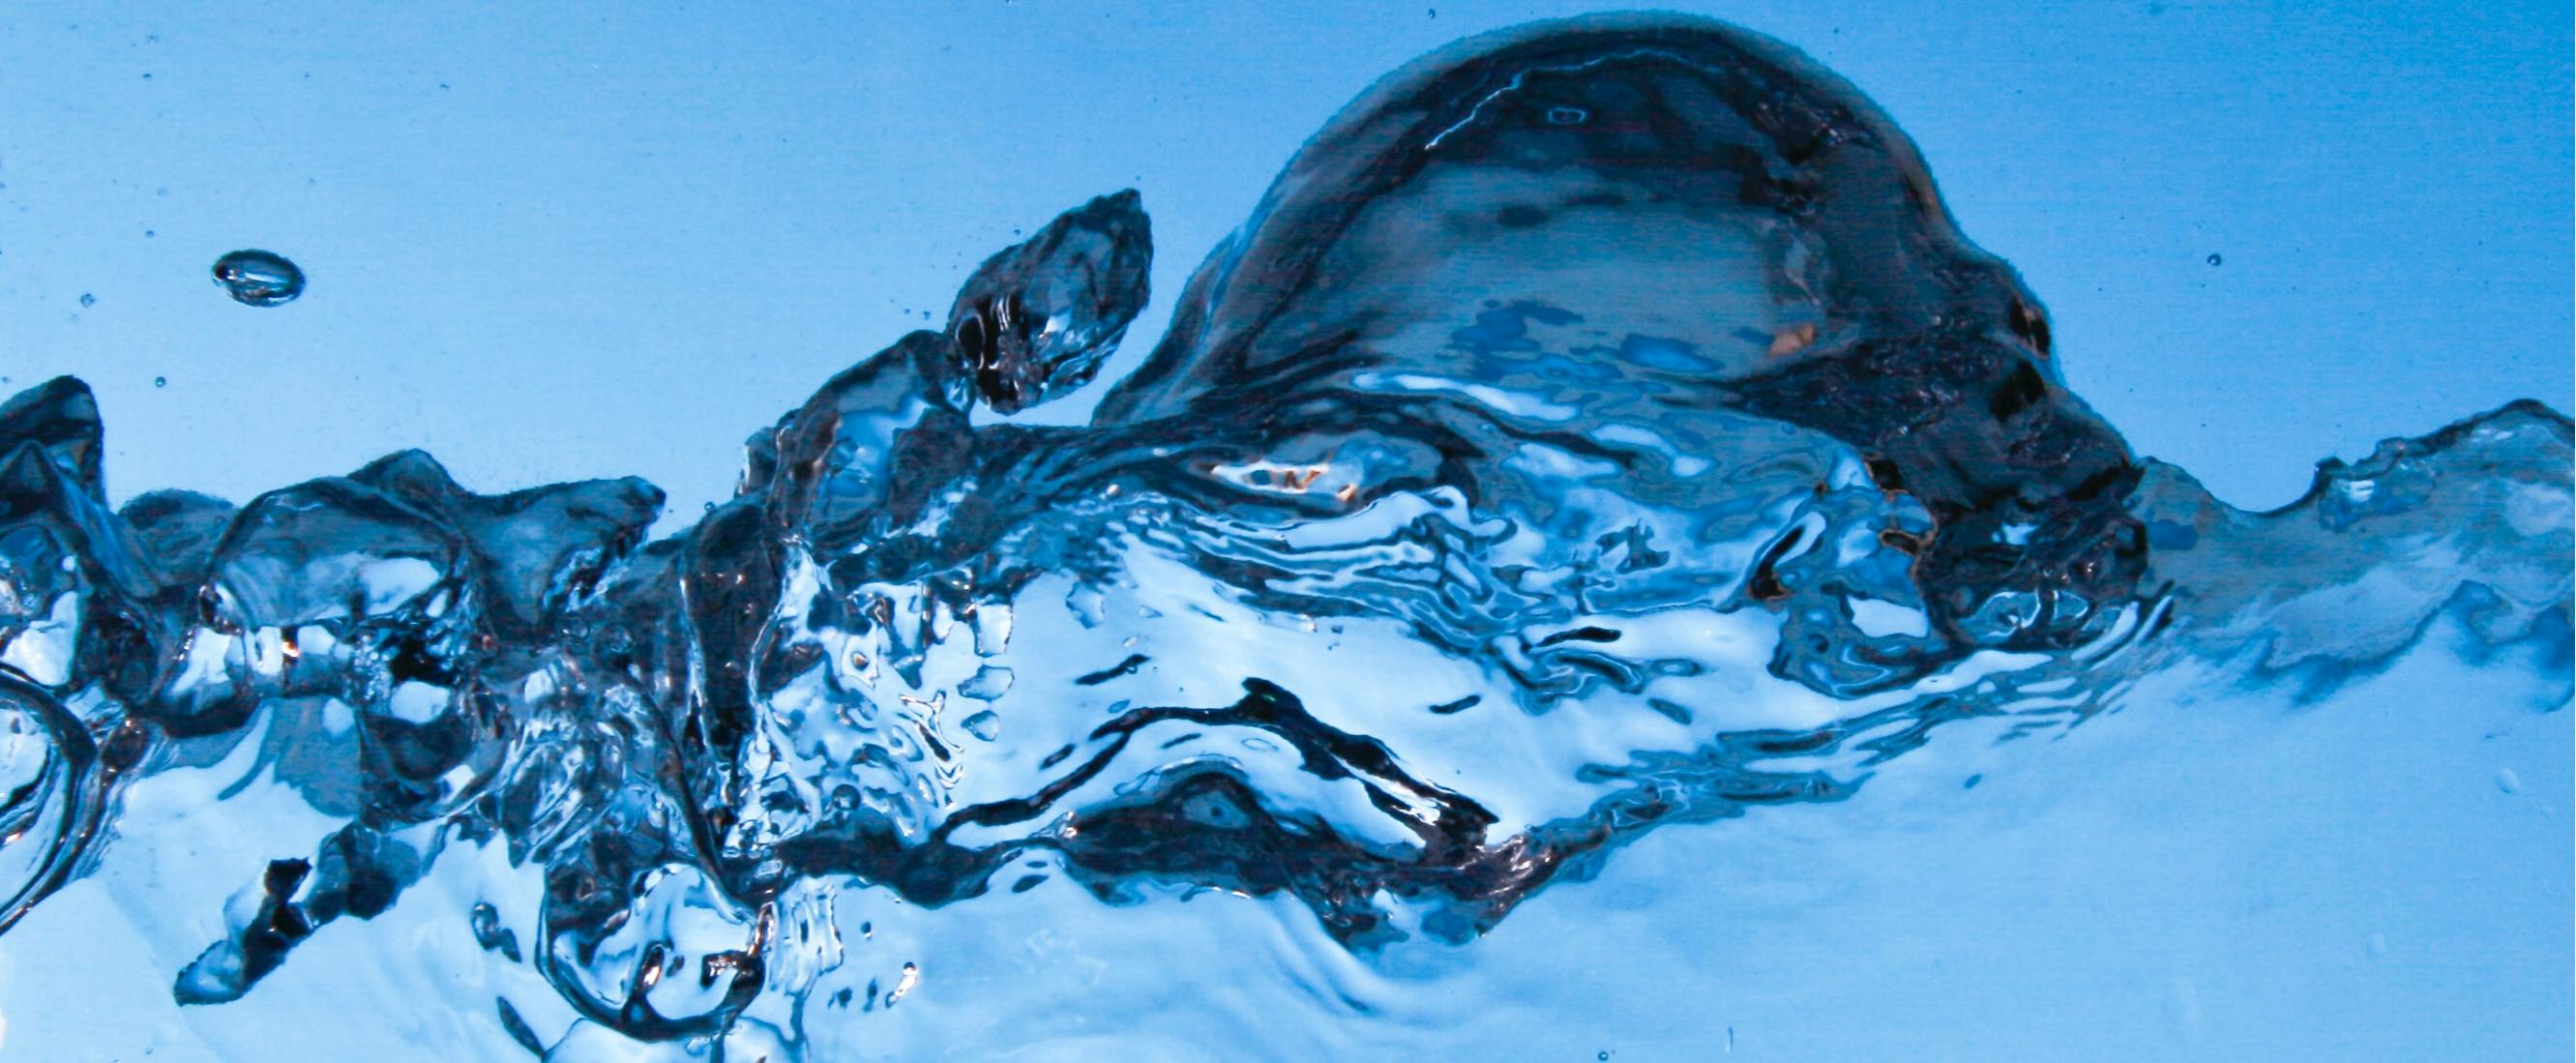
{"points": [[1598, 567]]}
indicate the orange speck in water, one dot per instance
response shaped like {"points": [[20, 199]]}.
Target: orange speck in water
{"points": [[1791, 340]]}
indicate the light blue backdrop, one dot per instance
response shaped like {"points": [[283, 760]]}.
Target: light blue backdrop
{"points": [[562, 244]]}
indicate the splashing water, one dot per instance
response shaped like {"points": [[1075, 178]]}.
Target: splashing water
{"points": [[1599, 427]]}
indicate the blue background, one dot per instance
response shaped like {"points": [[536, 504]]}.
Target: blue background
{"points": [[552, 244]]}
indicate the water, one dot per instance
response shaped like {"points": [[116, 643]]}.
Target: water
{"points": [[1599, 567], [257, 278]]}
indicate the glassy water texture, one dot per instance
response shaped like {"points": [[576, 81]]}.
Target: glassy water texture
{"points": [[1599, 567]]}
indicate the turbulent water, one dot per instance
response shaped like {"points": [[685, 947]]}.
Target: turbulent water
{"points": [[1599, 428]]}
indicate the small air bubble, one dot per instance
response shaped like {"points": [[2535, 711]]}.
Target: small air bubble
{"points": [[2214, 259], [1568, 116], [88, 300], [2507, 781], [160, 381]]}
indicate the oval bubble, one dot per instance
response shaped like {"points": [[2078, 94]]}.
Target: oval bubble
{"points": [[259, 278]]}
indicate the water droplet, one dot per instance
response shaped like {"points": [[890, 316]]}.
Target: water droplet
{"points": [[2507, 781], [986, 725], [88, 300], [259, 278], [160, 381], [1568, 116], [2214, 259], [987, 684]]}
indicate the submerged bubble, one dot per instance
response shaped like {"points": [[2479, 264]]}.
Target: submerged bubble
{"points": [[2214, 259], [259, 278], [87, 300]]}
